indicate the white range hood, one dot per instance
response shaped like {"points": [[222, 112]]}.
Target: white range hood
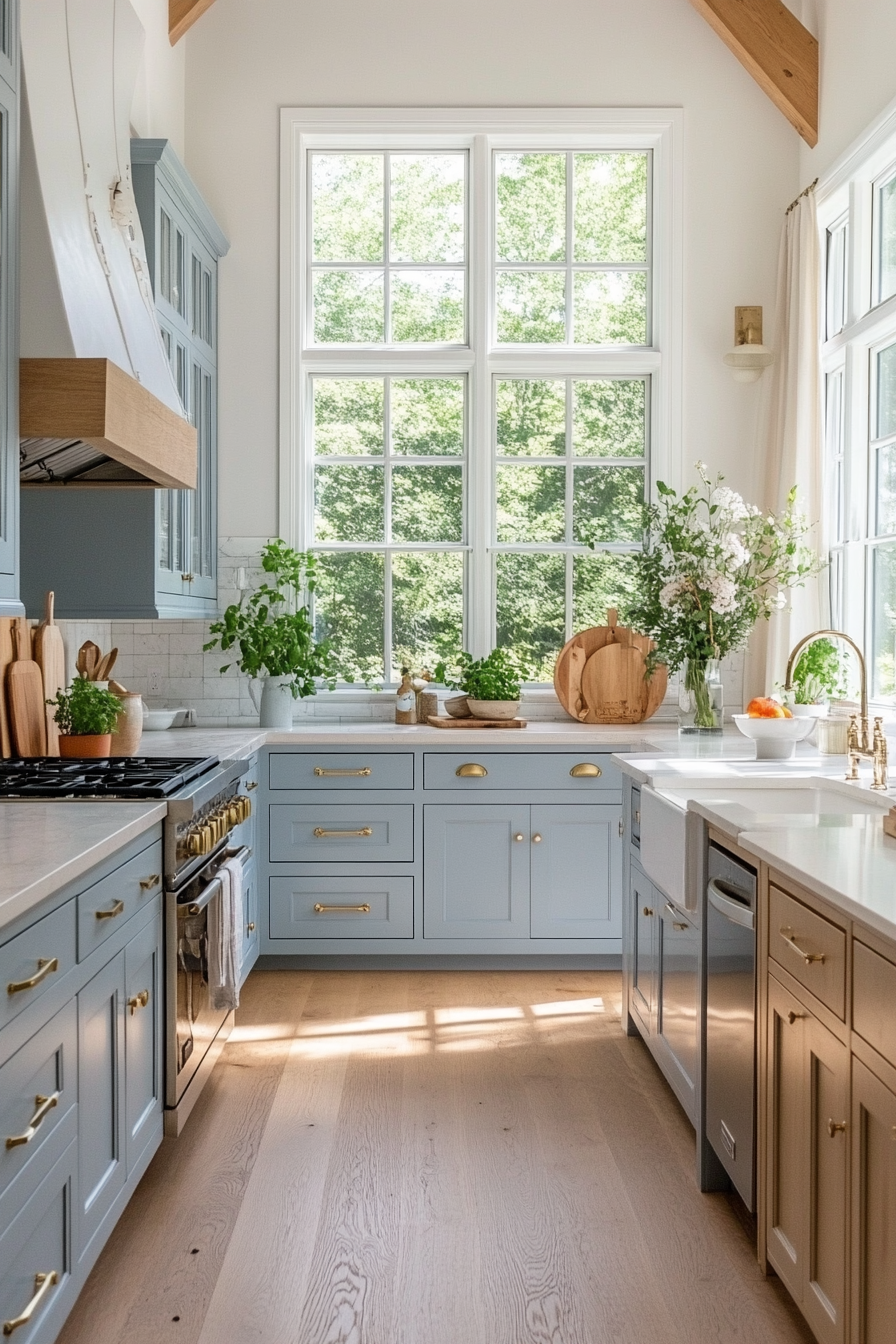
{"points": [[86, 292]]}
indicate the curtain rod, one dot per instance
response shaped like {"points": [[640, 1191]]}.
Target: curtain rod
{"points": [[794, 204]]}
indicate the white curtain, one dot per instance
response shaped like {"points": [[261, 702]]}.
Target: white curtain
{"points": [[794, 434]]}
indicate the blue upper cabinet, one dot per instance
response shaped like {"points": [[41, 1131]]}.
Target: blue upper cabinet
{"points": [[183, 245], [9, 327], [143, 554]]}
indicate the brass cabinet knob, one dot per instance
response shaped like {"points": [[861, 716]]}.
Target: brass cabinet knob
{"points": [[836, 1127], [253, 784], [138, 1001], [647, 912], [519, 836], [794, 1017], [251, 926], [536, 839], [471, 770], [187, 578]]}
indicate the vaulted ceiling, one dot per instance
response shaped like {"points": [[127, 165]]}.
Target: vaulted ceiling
{"points": [[769, 40]]}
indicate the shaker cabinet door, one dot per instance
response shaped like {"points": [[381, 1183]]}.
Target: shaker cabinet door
{"points": [[576, 857], [476, 871], [101, 1150], [143, 1039], [644, 947], [873, 1142]]}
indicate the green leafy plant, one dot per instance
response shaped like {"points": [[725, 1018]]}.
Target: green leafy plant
{"points": [[274, 634], [497, 677], [818, 673], [85, 709]]}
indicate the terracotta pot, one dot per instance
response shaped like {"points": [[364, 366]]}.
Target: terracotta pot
{"points": [[85, 745]]}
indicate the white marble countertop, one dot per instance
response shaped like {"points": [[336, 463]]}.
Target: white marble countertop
{"points": [[44, 846], [233, 743], [851, 863]]}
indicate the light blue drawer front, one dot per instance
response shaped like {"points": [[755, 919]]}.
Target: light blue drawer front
{"points": [[108, 904], [27, 968], [39, 1242], [326, 772], [504, 770], [38, 1087], [328, 907], [341, 834]]}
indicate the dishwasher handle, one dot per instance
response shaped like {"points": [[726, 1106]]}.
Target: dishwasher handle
{"points": [[735, 911]]}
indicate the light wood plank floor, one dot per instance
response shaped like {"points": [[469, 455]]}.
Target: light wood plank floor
{"points": [[430, 1157]]}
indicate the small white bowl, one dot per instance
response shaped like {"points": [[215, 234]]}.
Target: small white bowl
{"points": [[775, 739], [157, 720]]}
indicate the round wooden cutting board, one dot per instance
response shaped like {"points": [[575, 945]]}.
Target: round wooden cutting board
{"points": [[587, 696]]}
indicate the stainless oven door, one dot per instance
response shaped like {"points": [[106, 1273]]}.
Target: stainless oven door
{"points": [[193, 1023]]}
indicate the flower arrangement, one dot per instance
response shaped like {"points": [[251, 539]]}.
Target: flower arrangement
{"points": [[712, 567]]}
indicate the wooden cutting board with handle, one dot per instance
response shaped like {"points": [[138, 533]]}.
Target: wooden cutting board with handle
{"points": [[613, 679], [25, 697], [573, 688], [7, 655], [49, 654]]}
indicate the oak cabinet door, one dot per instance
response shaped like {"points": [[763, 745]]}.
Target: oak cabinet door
{"points": [[828, 1192], [787, 1171], [101, 1148], [873, 1126], [476, 871], [576, 872]]}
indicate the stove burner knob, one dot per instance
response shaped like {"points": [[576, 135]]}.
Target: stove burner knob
{"points": [[194, 842], [209, 838]]}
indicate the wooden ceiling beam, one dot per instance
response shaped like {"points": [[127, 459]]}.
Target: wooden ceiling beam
{"points": [[182, 14], [780, 54]]}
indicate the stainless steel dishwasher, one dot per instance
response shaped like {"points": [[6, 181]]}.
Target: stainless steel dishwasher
{"points": [[730, 1082]]}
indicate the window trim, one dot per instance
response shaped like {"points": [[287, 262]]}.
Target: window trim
{"points": [[482, 131]]}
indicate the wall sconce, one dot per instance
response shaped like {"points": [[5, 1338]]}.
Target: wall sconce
{"points": [[749, 358]]}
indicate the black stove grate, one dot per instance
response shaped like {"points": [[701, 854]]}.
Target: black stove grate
{"points": [[118, 777]]}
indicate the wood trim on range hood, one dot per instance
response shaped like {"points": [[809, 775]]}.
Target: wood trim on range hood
{"points": [[95, 402]]}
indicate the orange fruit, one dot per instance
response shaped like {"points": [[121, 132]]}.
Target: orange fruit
{"points": [[764, 707]]}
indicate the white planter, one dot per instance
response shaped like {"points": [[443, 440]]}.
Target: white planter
{"points": [[808, 711], [275, 706], [493, 709]]}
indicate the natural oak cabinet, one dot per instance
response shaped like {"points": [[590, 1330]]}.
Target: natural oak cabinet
{"points": [[873, 1209]]}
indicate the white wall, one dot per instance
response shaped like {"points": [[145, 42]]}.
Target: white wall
{"points": [[158, 107], [245, 60], [858, 75]]}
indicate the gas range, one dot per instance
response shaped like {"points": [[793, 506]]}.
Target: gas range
{"points": [[204, 803]]}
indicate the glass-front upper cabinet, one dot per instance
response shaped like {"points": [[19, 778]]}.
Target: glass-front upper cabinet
{"points": [[9, 342], [183, 245]]}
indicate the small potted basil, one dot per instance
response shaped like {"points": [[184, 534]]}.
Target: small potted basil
{"points": [[491, 685], [85, 714]]}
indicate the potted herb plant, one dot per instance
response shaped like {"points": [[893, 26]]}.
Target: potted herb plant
{"points": [[817, 676], [274, 633], [85, 714], [491, 685]]}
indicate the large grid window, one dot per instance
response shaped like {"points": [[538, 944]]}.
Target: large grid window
{"points": [[474, 376], [859, 361]]}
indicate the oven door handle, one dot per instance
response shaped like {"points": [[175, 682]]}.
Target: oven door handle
{"points": [[190, 908]]}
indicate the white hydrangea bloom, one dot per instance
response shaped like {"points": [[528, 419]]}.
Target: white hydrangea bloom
{"points": [[733, 549], [730, 502], [723, 592], [671, 592]]}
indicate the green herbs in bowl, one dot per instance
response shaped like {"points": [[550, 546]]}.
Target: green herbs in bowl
{"points": [[492, 685]]}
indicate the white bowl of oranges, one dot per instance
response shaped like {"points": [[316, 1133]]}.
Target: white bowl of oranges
{"points": [[773, 728]]}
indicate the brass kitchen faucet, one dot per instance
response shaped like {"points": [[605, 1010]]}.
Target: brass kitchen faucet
{"points": [[858, 746]]}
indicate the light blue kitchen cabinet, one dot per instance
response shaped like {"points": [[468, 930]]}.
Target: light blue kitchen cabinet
{"points": [[250, 919], [576, 871], [641, 921], [102, 1160], [144, 1025], [143, 554], [37, 1262], [476, 871], [9, 322]]}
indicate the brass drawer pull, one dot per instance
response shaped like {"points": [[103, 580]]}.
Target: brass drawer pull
{"points": [[836, 1127], [138, 1001], [321, 773], [364, 833], [586, 770], [42, 1285], [790, 939], [117, 909], [147, 883], [44, 1107], [471, 771], [344, 909], [677, 924], [45, 966]]}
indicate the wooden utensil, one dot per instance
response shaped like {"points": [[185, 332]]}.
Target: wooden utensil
{"points": [[613, 679], [7, 654], [105, 666], [88, 659], [49, 654], [25, 691]]}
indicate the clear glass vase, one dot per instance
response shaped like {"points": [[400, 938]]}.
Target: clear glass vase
{"points": [[700, 697]]}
